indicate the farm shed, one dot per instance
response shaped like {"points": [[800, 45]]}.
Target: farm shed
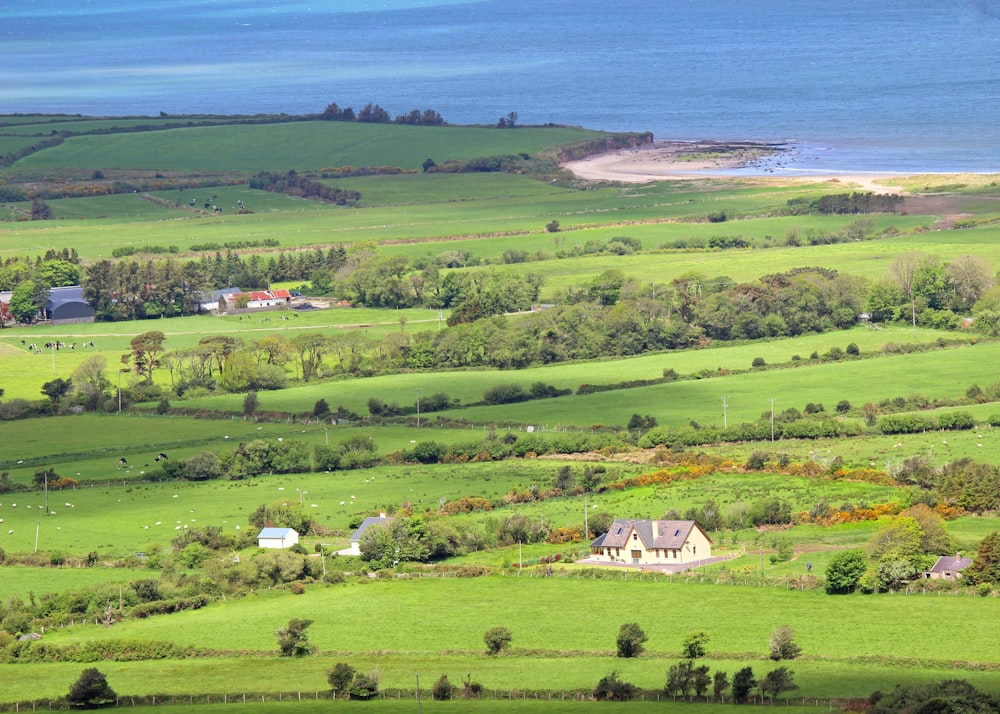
{"points": [[277, 538], [67, 305], [210, 301], [355, 548], [641, 541], [948, 567]]}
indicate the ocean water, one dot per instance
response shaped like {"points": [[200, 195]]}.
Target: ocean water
{"points": [[855, 85]]}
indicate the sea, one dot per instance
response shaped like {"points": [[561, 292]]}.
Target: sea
{"points": [[876, 86]]}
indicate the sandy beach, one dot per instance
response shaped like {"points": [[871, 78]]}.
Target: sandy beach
{"points": [[677, 160]]}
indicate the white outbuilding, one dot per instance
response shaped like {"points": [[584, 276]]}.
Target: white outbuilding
{"points": [[277, 537]]}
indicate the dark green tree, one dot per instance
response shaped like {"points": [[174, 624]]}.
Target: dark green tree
{"points": [[145, 355], [612, 689], [777, 681], [845, 571], [55, 390], [292, 639], [91, 690], [340, 678], [443, 689], [695, 645], [631, 639], [364, 686], [720, 683], [985, 566], [40, 210], [497, 639], [743, 682]]}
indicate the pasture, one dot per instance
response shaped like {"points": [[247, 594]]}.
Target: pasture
{"points": [[564, 626], [400, 627], [310, 145]]}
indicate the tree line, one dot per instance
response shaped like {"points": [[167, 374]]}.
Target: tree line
{"points": [[374, 114]]}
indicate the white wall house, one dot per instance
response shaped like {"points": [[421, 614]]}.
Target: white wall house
{"points": [[277, 537]]}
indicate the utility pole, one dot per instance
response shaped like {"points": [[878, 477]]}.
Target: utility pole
{"points": [[586, 526], [772, 419], [418, 408], [419, 708], [725, 405]]}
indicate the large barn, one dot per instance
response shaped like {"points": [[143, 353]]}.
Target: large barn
{"points": [[67, 305]]}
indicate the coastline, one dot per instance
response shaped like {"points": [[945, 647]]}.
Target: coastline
{"points": [[686, 160]]}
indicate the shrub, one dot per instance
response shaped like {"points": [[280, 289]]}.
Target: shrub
{"points": [[443, 689], [758, 362], [695, 645], [852, 349], [364, 686], [845, 570], [757, 461], [504, 394], [497, 639], [428, 452], [320, 409], [613, 689], [956, 421], [743, 682], [783, 644], [843, 406], [91, 690], [292, 639], [340, 677], [631, 639]]}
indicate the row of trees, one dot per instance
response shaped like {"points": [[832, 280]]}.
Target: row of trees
{"points": [[374, 114]]}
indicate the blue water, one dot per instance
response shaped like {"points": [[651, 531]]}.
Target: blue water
{"points": [[858, 85]]}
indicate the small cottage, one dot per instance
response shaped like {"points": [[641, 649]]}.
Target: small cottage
{"points": [[355, 548], [277, 538], [642, 541], [948, 567]]}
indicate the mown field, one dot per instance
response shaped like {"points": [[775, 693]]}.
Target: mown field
{"points": [[564, 626]]}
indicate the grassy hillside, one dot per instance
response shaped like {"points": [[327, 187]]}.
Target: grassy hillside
{"points": [[300, 145], [564, 625]]}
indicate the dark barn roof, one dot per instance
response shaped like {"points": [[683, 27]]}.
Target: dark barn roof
{"points": [[68, 304]]}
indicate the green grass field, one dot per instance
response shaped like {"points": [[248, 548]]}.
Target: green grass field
{"points": [[564, 626], [405, 622], [300, 145]]}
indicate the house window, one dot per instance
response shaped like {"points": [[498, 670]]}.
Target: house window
{"points": [[635, 536], [618, 551], [694, 550]]}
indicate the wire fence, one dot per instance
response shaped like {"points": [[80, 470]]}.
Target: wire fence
{"points": [[153, 700]]}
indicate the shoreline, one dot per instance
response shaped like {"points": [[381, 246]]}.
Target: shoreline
{"points": [[686, 160]]}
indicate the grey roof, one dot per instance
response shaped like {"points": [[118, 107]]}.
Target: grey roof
{"points": [[61, 296], [951, 563], [366, 524], [668, 534], [276, 532]]}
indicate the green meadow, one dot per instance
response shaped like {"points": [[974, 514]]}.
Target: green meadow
{"points": [[402, 623], [307, 145]]}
